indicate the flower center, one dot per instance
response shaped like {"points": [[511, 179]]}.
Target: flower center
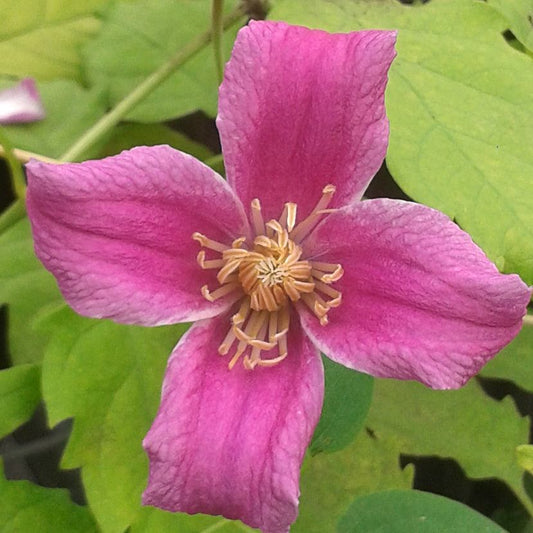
{"points": [[267, 275]]}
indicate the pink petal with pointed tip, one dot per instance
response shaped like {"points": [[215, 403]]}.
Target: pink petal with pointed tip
{"points": [[117, 233], [21, 103], [231, 442], [300, 109], [419, 299]]}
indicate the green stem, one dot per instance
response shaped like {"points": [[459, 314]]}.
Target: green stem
{"points": [[18, 181], [217, 30], [111, 119]]}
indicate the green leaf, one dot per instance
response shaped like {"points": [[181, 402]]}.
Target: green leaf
{"points": [[156, 521], [70, 110], [519, 13], [458, 424], [20, 393], [411, 511], [331, 481], [460, 108], [40, 38], [515, 361], [524, 456], [138, 37], [26, 507], [126, 136], [26, 287], [108, 377], [346, 403]]}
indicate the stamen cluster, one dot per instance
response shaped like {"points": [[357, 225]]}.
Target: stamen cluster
{"points": [[266, 275]]}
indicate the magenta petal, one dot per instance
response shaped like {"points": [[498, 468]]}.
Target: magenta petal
{"points": [[231, 442], [419, 299], [21, 103], [117, 233], [300, 109]]}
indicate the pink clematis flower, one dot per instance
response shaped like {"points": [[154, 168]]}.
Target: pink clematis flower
{"points": [[21, 103], [278, 263]]}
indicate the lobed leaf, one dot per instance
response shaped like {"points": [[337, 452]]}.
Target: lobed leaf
{"points": [[515, 361], [460, 110], [26, 287], [519, 14], [456, 424], [20, 393], [27, 507], [330, 482], [108, 377]]}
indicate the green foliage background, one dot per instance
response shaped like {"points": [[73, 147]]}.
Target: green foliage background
{"points": [[461, 113]]}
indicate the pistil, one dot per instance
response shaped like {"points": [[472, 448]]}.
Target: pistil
{"points": [[268, 275]]}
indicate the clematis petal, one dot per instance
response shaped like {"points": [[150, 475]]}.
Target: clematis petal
{"points": [[419, 299], [21, 103], [117, 233], [300, 109], [231, 442]]}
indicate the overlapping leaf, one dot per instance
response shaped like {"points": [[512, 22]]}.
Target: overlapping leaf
{"points": [[460, 107], [347, 400], [108, 378], [130, 47], [26, 287], [515, 362], [62, 25], [412, 511], [519, 13], [330, 482], [456, 424], [19, 396], [25, 507]]}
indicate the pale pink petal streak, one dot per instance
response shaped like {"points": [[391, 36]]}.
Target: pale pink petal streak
{"points": [[419, 299], [117, 233], [231, 442], [21, 103], [300, 109]]}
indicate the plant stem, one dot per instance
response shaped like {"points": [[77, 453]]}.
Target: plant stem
{"points": [[217, 29], [113, 117], [24, 156], [18, 181]]}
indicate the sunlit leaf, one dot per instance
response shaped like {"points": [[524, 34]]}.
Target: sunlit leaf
{"points": [[130, 47], [519, 13], [26, 287], [155, 521], [25, 507], [524, 456], [19, 396], [460, 107], [515, 361], [410, 511], [330, 482], [41, 38], [346, 403], [458, 424], [108, 377]]}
